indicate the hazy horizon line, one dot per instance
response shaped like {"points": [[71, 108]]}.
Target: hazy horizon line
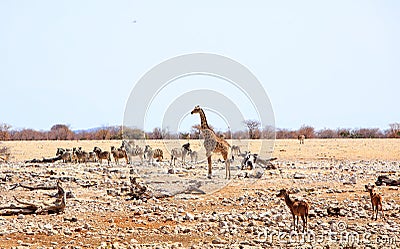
{"points": [[12, 128]]}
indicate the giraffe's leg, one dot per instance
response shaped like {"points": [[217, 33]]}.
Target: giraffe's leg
{"points": [[209, 167]]}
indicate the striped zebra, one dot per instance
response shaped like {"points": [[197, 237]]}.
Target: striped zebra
{"points": [[151, 154], [132, 150], [180, 152], [193, 156], [235, 150]]}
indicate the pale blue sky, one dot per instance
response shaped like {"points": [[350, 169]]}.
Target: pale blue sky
{"points": [[322, 63]]}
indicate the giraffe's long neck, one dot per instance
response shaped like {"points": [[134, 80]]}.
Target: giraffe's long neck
{"points": [[204, 124]]}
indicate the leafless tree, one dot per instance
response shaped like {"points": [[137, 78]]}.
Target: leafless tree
{"points": [[103, 134], [159, 133], [394, 130], [133, 133], [61, 132], [343, 132], [307, 131], [268, 132], [326, 133], [5, 131], [252, 126]]}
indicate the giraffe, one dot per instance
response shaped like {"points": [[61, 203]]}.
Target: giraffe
{"points": [[213, 143]]}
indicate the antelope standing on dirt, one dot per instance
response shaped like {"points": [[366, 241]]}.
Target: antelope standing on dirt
{"points": [[297, 208], [119, 153], [102, 155], [376, 201], [151, 154], [301, 138]]}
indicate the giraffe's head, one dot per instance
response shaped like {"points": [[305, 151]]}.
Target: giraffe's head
{"points": [[196, 109]]}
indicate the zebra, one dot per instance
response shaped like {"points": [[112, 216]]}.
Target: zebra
{"points": [[65, 154], [151, 154], [193, 156], [102, 154], [180, 152], [119, 153], [92, 157], [235, 150], [132, 150], [80, 155]]}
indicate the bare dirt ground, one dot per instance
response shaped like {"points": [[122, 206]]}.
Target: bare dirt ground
{"points": [[244, 214]]}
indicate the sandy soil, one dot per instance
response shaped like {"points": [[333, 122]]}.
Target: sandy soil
{"points": [[287, 149], [106, 220]]}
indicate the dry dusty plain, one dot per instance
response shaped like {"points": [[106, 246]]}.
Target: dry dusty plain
{"points": [[244, 214]]}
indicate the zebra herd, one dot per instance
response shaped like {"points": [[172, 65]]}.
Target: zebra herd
{"points": [[128, 150]]}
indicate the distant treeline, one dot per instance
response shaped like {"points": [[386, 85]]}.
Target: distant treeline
{"points": [[252, 130]]}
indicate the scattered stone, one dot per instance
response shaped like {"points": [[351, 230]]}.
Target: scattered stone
{"points": [[299, 176]]}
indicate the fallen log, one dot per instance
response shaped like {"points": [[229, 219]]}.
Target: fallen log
{"points": [[138, 191], [334, 211], [26, 207], [37, 187], [45, 160], [384, 179], [5, 158]]}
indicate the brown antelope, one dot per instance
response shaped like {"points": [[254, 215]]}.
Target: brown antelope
{"points": [[119, 153], [297, 208], [301, 138], [376, 201], [102, 155]]}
